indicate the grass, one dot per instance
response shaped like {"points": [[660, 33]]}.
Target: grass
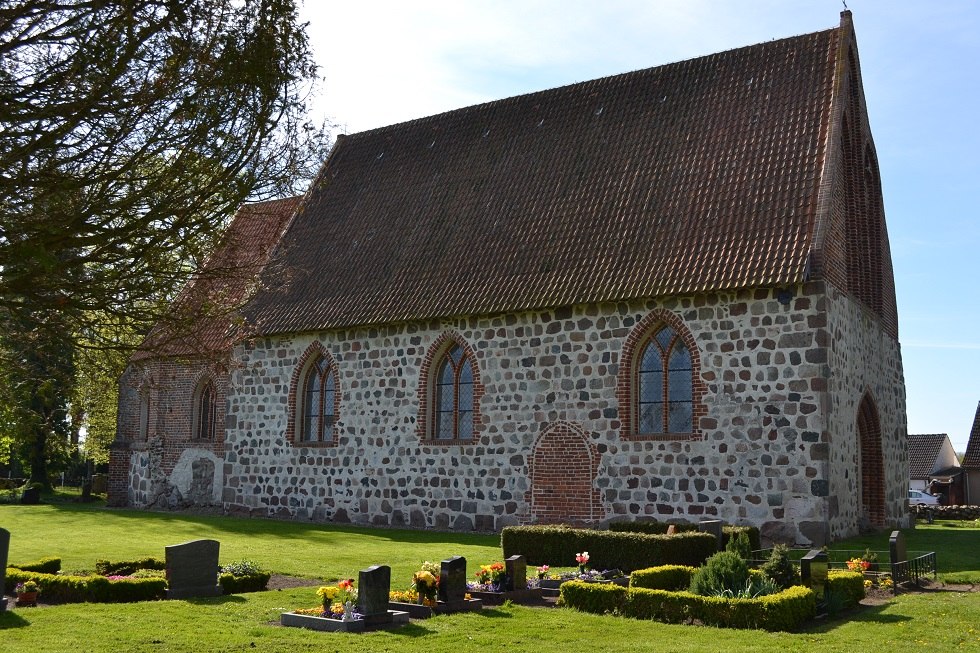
{"points": [[80, 534]]}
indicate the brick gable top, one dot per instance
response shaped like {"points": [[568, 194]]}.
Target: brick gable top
{"points": [[224, 282], [694, 176]]}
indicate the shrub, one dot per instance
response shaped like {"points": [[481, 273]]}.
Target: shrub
{"points": [[665, 577], [243, 567], [557, 546], [780, 569], [42, 566], [723, 571], [844, 589], [786, 610], [739, 544], [650, 527], [233, 584], [127, 567], [755, 539], [598, 598], [97, 589]]}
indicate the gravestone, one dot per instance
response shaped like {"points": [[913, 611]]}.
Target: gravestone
{"points": [[898, 555], [4, 548], [813, 571], [100, 483], [672, 530], [192, 569], [374, 585], [715, 527], [516, 578], [31, 496], [452, 582]]}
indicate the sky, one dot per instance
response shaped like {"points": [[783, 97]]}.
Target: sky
{"points": [[385, 62]]}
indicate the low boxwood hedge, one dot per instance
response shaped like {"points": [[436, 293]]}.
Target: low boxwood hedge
{"points": [[126, 567], [844, 589], [56, 588], [666, 577], [42, 566], [557, 546], [786, 610], [255, 582], [660, 528], [597, 598]]}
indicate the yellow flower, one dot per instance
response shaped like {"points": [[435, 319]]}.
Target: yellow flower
{"points": [[327, 593]]}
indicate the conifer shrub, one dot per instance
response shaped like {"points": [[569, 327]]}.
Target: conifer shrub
{"points": [[780, 568], [740, 545], [724, 571]]}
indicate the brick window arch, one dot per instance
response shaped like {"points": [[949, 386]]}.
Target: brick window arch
{"points": [[314, 399], [659, 389], [450, 391], [204, 413]]}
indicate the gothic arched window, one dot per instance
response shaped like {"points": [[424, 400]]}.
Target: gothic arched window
{"points": [[664, 390]]}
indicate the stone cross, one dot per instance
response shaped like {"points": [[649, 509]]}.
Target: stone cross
{"points": [[715, 527], [452, 581], [813, 570], [516, 578], [192, 569], [4, 548], [373, 588]]}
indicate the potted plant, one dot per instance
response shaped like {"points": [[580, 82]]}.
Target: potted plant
{"points": [[27, 593]]}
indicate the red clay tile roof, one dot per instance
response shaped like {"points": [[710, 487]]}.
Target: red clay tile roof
{"points": [[228, 276], [694, 176], [923, 451], [972, 457]]}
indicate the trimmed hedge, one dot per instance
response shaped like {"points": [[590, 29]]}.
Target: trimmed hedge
{"points": [[665, 577], [42, 566], [597, 598], [786, 610], [127, 567], [846, 587], [660, 528], [557, 546], [232, 584], [650, 527], [93, 589]]}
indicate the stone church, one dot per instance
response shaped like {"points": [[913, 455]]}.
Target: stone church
{"points": [[666, 294]]}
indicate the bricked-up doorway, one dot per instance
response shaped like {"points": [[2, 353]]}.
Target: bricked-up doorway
{"points": [[563, 470], [872, 464]]}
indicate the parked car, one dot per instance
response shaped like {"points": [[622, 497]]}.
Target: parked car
{"points": [[917, 497]]}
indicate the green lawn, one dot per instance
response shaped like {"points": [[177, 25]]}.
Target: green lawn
{"points": [[80, 534]]}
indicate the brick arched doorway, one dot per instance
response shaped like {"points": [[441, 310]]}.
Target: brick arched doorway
{"points": [[872, 464], [564, 464]]}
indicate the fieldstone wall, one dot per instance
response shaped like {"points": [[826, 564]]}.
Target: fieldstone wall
{"points": [[863, 360], [761, 453]]}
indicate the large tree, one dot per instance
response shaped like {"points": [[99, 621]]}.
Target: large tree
{"points": [[130, 131]]}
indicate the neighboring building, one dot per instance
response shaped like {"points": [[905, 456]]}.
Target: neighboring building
{"points": [[934, 467], [971, 464], [664, 294]]}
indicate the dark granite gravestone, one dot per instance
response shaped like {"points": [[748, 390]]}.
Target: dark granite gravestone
{"points": [[516, 568], [100, 483], [31, 496], [373, 587], [813, 571], [4, 548], [452, 582], [715, 527], [192, 569]]}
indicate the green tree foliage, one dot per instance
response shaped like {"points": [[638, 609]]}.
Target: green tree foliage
{"points": [[132, 131]]}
